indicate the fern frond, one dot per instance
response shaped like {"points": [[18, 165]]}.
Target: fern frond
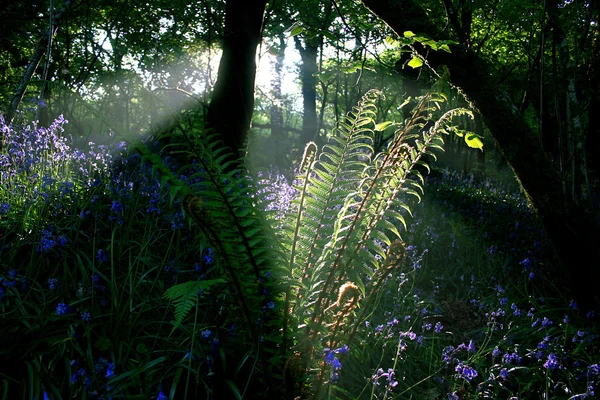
{"points": [[185, 297]]}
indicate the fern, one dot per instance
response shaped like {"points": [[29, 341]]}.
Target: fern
{"points": [[218, 200], [338, 245], [344, 233], [185, 297]]}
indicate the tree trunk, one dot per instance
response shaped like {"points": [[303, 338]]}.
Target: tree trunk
{"points": [[573, 232], [232, 102], [277, 106], [308, 69], [34, 62]]}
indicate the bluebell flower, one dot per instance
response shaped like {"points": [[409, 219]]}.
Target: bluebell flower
{"points": [[101, 255], [504, 373], [335, 376], [46, 397], [86, 316], [206, 333], [4, 207], [546, 322], [438, 327], [161, 396], [516, 311], [343, 350], [47, 242], [53, 283], [389, 376], [208, 257], [329, 356], [573, 304], [336, 364], [110, 370], [466, 372], [61, 309], [552, 362]]}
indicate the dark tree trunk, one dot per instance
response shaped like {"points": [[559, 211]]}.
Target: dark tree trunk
{"points": [[232, 102], [573, 231], [34, 62], [308, 54]]}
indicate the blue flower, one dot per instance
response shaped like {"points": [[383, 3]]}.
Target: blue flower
{"points": [[208, 257], [496, 352], [329, 356], [552, 362], [342, 350], [4, 207], [206, 333], [86, 316], [101, 255], [504, 373], [471, 347], [161, 396], [336, 364], [466, 372], [110, 370], [116, 207], [53, 283], [61, 309]]}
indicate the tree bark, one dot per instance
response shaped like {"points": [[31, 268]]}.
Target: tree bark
{"points": [[34, 62], [573, 232], [232, 102], [308, 69]]}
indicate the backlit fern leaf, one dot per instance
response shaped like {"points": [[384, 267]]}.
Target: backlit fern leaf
{"points": [[345, 230]]}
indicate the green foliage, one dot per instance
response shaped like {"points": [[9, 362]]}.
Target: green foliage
{"points": [[185, 297], [343, 238], [218, 199], [339, 243]]}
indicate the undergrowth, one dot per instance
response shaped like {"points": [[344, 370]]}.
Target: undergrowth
{"points": [[126, 273]]}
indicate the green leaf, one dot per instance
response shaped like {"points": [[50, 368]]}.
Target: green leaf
{"points": [[409, 34], [296, 31], [382, 126], [415, 62], [472, 140]]}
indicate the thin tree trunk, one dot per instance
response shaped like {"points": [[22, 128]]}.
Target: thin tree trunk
{"points": [[308, 69], [34, 62], [277, 106]]}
